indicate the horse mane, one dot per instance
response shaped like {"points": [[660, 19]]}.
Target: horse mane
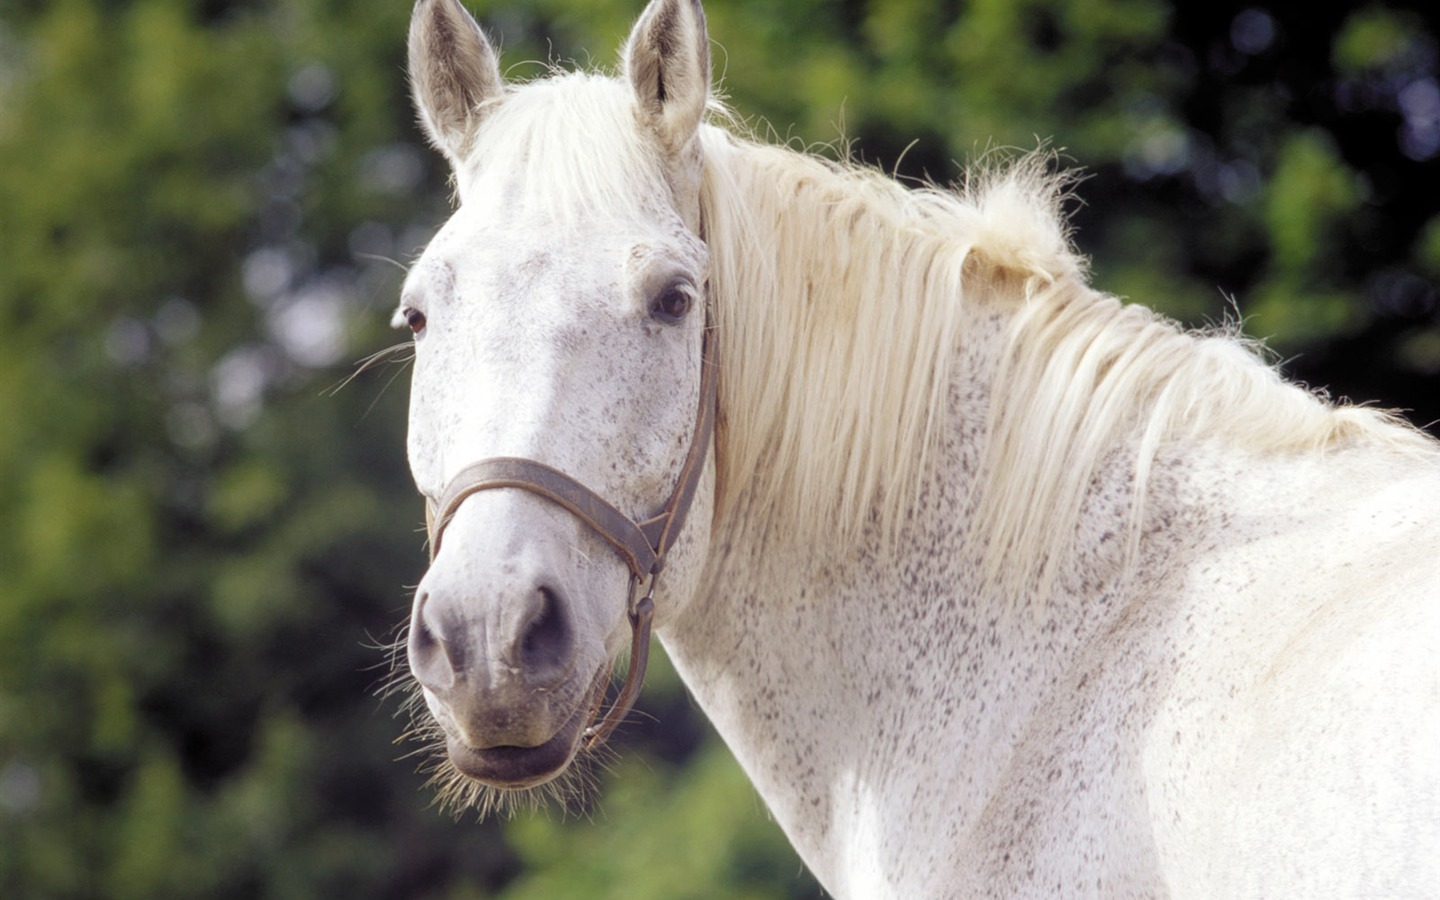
{"points": [[841, 298], [839, 295]]}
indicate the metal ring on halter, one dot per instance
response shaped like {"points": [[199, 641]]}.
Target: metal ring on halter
{"points": [[641, 613]]}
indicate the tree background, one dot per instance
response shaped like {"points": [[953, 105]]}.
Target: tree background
{"points": [[205, 208]]}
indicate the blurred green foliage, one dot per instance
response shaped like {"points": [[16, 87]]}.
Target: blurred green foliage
{"points": [[205, 210]]}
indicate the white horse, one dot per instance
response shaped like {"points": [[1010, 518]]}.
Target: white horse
{"points": [[994, 586]]}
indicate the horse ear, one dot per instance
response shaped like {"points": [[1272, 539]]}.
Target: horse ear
{"points": [[454, 72], [668, 62]]}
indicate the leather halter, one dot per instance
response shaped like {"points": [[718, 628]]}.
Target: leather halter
{"points": [[641, 545]]}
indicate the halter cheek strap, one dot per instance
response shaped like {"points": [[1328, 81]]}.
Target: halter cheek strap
{"points": [[641, 545]]}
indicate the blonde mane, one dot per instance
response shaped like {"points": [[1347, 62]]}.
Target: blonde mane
{"points": [[839, 297]]}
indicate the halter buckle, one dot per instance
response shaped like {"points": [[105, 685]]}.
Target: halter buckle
{"points": [[641, 613]]}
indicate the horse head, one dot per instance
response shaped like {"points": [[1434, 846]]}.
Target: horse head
{"points": [[559, 320]]}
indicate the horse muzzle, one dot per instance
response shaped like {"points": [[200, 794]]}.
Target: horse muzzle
{"points": [[506, 674]]}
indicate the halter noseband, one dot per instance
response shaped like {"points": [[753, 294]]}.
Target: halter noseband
{"points": [[641, 545]]}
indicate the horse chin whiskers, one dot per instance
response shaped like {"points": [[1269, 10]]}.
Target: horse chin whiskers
{"points": [[573, 790]]}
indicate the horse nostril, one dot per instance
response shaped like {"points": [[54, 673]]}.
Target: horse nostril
{"points": [[433, 661], [546, 644]]}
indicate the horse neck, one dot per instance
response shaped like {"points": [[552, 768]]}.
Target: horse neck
{"points": [[877, 683], [823, 657], [852, 680]]}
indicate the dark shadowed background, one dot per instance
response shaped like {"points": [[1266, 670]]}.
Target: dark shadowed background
{"points": [[205, 210]]}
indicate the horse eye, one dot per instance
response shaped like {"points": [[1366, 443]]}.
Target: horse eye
{"points": [[673, 303], [414, 320]]}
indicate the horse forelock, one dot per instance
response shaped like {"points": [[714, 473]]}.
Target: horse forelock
{"points": [[572, 143]]}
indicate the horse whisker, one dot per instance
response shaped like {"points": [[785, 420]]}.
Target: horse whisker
{"points": [[369, 362]]}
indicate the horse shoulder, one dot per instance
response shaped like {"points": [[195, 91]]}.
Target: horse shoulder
{"points": [[1303, 688]]}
